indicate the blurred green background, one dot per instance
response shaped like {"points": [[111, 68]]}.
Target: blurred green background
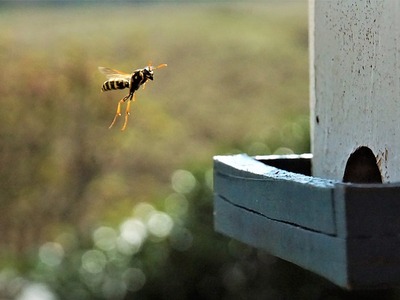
{"points": [[89, 212]]}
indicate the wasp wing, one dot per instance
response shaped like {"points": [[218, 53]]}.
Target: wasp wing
{"points": [[114, 74]]}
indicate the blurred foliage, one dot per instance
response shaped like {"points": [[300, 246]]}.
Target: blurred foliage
{"points": [[160, 253], [236, 82], [93, 213]]}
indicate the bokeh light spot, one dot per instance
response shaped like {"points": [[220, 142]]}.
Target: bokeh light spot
{"points": [[234, 278], [113, 288], [176, 205], [51, 254], [105, 238], [93, 261], [181, 239], [134, 278], [133, 231], [143, 210], [283, 150], [160, 224], [36, 291], [183, 181]]}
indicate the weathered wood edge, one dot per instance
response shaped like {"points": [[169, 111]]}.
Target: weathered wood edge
{"points": [[277, 194], [317, 252], [357, 210], [245, 163]]}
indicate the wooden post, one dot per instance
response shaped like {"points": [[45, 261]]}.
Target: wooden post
{"points": [[345, 231], [355, 86]]}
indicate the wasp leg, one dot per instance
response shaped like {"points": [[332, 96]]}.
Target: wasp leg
{"points": [[128, 111], [118, 113]]}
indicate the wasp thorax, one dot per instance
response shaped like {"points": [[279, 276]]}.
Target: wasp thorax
{"points": [[148, 73]]}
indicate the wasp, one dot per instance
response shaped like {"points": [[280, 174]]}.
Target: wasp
{"points": [[117, 80]]}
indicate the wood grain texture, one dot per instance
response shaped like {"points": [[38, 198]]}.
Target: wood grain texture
{"points": [[320, 253], [280, 195]]}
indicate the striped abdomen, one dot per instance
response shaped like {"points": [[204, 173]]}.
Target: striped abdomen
{"points": [[115, 84]]}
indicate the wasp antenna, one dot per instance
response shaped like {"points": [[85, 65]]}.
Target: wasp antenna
{"points": [[161, 66]]}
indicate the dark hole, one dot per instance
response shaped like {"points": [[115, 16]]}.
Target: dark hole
{"points": [[361, 167], [317, 119]]}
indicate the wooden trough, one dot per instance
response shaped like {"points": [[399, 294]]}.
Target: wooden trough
{"points": [[335, 212], [347, 233]]}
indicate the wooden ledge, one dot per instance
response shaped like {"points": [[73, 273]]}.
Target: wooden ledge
{"points": [[347, 233]]}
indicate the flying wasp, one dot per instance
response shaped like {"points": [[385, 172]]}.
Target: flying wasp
{"points": [[117, 80]]}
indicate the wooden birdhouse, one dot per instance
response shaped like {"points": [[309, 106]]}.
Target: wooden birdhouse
{"points": [[336, 211]]}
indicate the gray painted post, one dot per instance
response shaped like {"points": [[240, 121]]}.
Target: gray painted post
{"points": [[355, 88], [347, 232]]}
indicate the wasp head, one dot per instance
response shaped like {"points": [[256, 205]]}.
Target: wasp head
{"points": [[148, 72]]}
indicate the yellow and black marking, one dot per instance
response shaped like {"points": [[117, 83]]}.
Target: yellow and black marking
{"points": [[117, 80], [117, 84]]}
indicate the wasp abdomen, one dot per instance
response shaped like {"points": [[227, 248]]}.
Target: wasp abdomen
{"points": [[115, 84]]}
